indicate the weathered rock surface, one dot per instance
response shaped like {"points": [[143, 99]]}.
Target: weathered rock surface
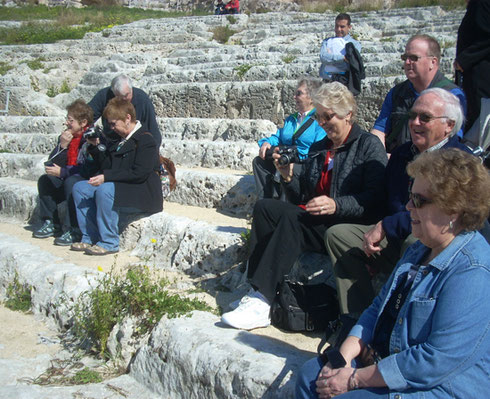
{"points": [[213, 102]]}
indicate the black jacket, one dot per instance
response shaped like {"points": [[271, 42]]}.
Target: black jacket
{"points": [[357, 181], [133, 168], [356, 69]]}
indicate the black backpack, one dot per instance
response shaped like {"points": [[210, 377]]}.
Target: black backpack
{"points": [[304, 307]]}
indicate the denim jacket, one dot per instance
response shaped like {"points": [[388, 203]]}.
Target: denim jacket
{"points": [[440, 344]]}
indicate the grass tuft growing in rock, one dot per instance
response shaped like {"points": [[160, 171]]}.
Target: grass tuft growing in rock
{"points": [[242, 69], [61, 23], [139, 293], [223, 33], [18, 296], [5, 67]]}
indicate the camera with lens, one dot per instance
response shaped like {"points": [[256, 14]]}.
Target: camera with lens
{"points": [[93, 132], [288, 154]]}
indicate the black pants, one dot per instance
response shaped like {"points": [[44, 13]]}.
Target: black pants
{"points": [[265, 183], [53, 191], [280, 233]]}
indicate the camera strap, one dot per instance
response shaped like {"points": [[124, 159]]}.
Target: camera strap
{"points": [[302, 129]]}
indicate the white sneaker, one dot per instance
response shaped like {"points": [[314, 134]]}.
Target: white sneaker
{"points": [[233, 305], [252, 312]]}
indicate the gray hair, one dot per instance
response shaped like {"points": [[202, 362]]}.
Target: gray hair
{"points": [[452, 107], [119, 83], [311, 84], [337, 97]]}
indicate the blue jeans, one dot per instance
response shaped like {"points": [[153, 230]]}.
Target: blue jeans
{"points": [[97, 218], [306, 385]]}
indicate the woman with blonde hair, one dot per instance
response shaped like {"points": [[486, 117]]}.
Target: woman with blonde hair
{"points": [[341, 181]]}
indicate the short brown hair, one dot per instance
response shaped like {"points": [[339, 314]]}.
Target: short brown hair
{"points": [[80, 111], [434, 49], [458, 184], [117, 108]]}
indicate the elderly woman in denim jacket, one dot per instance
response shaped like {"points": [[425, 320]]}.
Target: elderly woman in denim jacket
{"points": [[427, 334]]}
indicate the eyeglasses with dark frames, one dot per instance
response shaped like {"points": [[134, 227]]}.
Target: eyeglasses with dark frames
{"points": [[418, 200], [325, 117], [423, 117], [413, 57]]}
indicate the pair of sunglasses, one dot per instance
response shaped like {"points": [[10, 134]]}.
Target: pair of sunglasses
{"points": [[413, 57], [419, 200], [326, 117], [423, 117]]}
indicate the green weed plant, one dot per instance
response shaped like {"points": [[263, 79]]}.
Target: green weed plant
{"points": [[18, 296], [138, 293], [34, 64], [242, 69], [222, 33], [287, 59], [5, 67], [69, 23], [86, 376]]}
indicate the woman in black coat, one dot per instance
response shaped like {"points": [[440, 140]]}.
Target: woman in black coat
{"points": [[127, 179], [341, 182]]}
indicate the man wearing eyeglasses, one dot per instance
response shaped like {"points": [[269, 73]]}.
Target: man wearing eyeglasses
{"points": [[421, 65], [358, 251]]}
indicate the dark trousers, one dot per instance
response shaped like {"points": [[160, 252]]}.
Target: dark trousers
{"points": [[266, 184], [344, 245], [52, 192], [280, 233]]}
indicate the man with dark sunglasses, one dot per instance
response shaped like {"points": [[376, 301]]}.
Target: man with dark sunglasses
{"points": [[358, 251], [421, 61]]}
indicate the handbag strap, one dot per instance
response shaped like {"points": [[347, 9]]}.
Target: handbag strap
{"points": [[302, 129]]}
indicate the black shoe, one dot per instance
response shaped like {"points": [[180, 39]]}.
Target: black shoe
{"points": [[67, 238], [48, 229]]}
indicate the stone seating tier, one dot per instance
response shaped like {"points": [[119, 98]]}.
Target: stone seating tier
{"points": [[211, 111]]}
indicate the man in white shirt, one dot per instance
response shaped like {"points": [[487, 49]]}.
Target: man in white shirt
{"points": [[332, 54]]}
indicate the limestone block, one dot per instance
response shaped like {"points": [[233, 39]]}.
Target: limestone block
{"points": [[156, 238], [209, 250], [122, 343], [56, 286], [17, 200], [231, 130], [211, 190], [24, 166], [196, 357], [28, 143], [31, 124], [209, 154]]}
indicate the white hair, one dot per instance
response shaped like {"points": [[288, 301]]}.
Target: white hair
{"points": [[452, 107], [119, 83]]}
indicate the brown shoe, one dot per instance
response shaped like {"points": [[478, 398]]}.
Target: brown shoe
{"points": [[96, 250], [79, 246]]}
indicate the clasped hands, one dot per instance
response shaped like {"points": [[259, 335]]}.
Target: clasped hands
{"points": [[332, 382]]}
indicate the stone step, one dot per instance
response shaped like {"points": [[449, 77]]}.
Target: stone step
{"points": [[182, 243], [229, 191], [189, 153], [214, 129], [271, 100], [222, 358]]}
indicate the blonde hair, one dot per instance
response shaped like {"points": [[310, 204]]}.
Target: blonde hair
{"points": [[337, 97], [458, 184]]}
